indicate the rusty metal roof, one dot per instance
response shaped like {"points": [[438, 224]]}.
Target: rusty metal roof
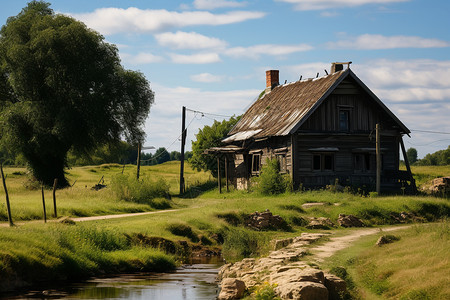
{"points": [[281, 111]]}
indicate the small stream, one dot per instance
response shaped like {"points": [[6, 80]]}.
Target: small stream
{"points": [[196, 281]]}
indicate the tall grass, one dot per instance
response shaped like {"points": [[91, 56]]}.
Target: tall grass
{"points": [[416, 266], [130, 189], [61, 252]]}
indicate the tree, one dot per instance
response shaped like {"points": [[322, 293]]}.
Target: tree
{"points": [[62, 87], [210, 136], [161, 155], [411, 154], [438, 158]]}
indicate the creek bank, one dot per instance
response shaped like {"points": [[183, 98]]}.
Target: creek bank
{"points": [[284, 269]]}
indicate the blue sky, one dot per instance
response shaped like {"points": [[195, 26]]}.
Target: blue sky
{"points": [[211, 56]]}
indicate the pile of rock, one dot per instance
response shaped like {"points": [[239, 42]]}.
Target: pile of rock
{"points": [[406, 217], [265, 220], [320, 223], [349, 221], [293, 278], [440, 186]]}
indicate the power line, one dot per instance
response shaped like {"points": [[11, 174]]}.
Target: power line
{"points": [[205, 113], [429, 131]]}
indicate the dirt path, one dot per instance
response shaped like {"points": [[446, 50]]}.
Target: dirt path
{"points": [[321, 252], [94, 218]]}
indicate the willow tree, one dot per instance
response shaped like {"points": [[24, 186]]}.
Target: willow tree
{"points": [[62, 87]]}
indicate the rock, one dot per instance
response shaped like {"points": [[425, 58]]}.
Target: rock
{"points": [[265, 220], [297, 275], [302, 290], [349, 221], [278, 244], [231, 288], [439, 186], [336, 287], [66, 220], [319, 223], [386, 239]]}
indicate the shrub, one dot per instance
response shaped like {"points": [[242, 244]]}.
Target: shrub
{"points": [[127, 188], [183, 230], [240, 243], [270, 181]]}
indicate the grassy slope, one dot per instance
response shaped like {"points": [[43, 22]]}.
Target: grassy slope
{"points": [[80, 200], [415, 267], [199, 213]]}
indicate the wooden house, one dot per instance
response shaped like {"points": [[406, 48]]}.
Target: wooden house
{"points": [[321, 130]]}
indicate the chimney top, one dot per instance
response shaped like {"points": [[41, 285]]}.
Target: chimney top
{"points": [[339, 66], [272, 79]]}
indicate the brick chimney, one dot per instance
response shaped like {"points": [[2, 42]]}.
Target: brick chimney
{"points": [[339, 66], [272, 79]]}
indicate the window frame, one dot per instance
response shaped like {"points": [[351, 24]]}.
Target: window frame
{"points": [[347, 121], [256, 167], [320, 164]]}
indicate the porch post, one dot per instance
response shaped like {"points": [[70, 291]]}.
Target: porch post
{"points": [[219, 177], [226, 173]]}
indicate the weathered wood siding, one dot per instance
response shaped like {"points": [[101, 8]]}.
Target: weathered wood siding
{"points": [[346, 147], [363, 113]]}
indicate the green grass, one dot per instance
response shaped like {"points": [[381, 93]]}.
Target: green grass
{"points": [[424, 174], [416, 266], [55, 252], [81, 201], [203, 216]]}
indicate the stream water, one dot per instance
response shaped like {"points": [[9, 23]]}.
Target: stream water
{"points": [[196, 281]]}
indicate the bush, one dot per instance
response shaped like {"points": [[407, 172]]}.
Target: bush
{"points": [[183, 230], [240, 243], [127, 188], [270, 181]]}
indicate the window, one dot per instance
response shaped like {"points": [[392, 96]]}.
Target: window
{"points": [[323, 162], [363, 162], [282, 161], [256, 163], [344, 122]]}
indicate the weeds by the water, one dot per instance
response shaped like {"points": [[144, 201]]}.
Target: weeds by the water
{"points": [[59, 252]]}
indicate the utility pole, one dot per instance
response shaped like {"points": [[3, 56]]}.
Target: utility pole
{"points": [[7, 197], [183, 141], [138, 161], [378, 156]]}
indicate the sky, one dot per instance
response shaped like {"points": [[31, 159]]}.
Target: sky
{"points": [[211, 55]]}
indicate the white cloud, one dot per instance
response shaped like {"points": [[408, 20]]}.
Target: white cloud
{"points": [[327, 4], [378, 41], [412, 74], [417, 91], [206, 78], [188, 40], [164, 123], [141, 58], [266, 49], [213, 4], [131, 20], [198, 58], [329, 14]]}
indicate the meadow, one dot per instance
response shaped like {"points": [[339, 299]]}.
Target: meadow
{"points": [[203, 217]]}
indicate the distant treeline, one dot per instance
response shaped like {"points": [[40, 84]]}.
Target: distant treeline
{"points": [[438, 158], [121, 152]]}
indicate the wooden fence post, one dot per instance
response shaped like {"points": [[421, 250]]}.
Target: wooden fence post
{"points": [[43, 204], [7, 197], [55, 184]]}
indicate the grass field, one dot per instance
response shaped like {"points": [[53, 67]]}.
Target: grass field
{"points": [[414, 267], [80, 200], [203, 217]]}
